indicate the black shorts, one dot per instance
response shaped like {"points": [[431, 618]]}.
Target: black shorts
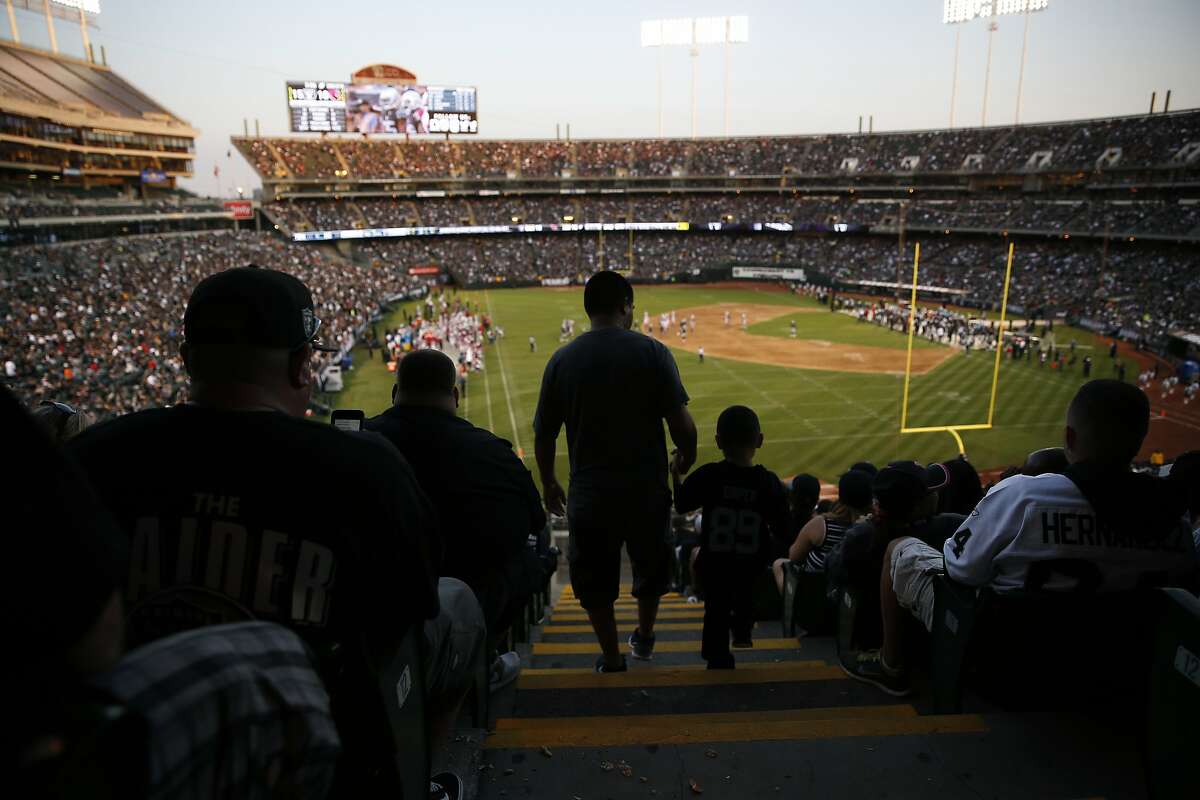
{"points": [[599, 525]]}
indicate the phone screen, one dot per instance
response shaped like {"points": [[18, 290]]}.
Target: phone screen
{"points": [[347, 419]]}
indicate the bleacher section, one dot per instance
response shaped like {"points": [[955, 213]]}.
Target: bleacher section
{"points": [[1118, 145], [80, 122]]}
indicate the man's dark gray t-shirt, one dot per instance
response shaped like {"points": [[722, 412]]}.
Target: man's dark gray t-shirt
{"points": [[612, 388]]}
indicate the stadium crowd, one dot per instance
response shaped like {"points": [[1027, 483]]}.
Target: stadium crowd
{"points": [[296, 698], [1144, 142], [1120, 219], [96, 324]]}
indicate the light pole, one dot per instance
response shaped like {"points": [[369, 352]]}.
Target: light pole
{"points": [[959, 11], [987, 70], [954, 79], [693, 32]]}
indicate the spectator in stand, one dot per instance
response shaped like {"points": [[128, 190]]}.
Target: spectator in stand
{"points": [[803, 497], [1048, 460], [486, 501], [61, 421], [823, 532], [229, 529], [253, 721], [963, 489], [744, 510], [905, 502], [618, 461], [1127, 526]]}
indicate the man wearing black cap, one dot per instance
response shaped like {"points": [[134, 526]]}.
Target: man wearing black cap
{"points": [[486, 502], [1127, 526], [612, 388], [234, 500]]}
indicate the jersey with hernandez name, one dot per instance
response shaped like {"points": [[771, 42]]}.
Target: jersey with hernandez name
{"points": [[1025, 520]]}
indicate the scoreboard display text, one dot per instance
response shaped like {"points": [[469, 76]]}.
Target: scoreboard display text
{"points": [[317, 106]]}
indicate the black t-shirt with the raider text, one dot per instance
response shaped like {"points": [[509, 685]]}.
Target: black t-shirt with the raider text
{"points": [[257, 514], [743, 508]]}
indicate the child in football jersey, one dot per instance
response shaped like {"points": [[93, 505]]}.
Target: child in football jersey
{"points": [[743, 508]]}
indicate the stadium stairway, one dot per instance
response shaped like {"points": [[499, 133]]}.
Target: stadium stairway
{"points": [[786, 723]]}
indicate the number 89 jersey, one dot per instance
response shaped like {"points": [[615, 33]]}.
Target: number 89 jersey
{"points": [[744, 508]]}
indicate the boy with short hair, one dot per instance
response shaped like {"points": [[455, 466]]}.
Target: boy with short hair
{"points": [[743, 507]]}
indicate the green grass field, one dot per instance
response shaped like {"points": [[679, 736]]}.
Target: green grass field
{"points": [[813, 421]]}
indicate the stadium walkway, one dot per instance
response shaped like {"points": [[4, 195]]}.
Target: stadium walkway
{"points": [[786, 723]]}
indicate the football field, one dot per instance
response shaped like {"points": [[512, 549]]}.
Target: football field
{"points": [[817, 420]]}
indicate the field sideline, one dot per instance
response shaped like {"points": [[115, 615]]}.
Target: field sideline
{"points": [[814, 420]]}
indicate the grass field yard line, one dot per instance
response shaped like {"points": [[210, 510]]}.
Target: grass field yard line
{"points": [[487, 392], [512, 418], [746, 383]]}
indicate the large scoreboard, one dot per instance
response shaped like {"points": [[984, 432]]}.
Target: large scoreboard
{"points": [[371, 108], [317, 106]]}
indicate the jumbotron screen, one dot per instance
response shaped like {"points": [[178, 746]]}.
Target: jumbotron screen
{"points": [[317, 106], [415, 109]]}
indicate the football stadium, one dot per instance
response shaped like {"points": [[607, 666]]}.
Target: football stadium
{"points": [[401, 456]]}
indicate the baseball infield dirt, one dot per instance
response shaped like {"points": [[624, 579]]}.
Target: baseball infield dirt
{"points": [[722, 341]]}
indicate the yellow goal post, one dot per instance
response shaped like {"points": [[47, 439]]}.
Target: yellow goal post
{"points": [[953, 430]]}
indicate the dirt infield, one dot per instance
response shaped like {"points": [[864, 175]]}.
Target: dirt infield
{"points": [[732, 342]]}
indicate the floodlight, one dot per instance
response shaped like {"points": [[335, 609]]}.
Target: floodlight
{"points": [[966, 10], [739, 30], [692, 32], [677, 31], [710, 30], [90, 6], [652, 33]]}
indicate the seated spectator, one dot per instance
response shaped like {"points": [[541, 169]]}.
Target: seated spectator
{"points": [[61, 421], [905, 501], [1048, 460], [1126, 525], [253, 722], [218, 496], [963, 489], [486, 501], [823, 532], [803, 499], [743, 510]]}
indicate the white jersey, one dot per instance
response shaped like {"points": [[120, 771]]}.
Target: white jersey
{"points": [[1024, 520]]}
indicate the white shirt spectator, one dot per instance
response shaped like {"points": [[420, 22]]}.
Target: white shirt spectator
{"points": [[1024, 520]]}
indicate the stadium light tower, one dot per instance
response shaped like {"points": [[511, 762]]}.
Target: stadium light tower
{"points": [[83, 11], [955, 12], [692, 33]]}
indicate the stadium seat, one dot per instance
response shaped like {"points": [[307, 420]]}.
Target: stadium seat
{"points": [[1015, 647], [386, 752], [805, 604], [1174, 706]]}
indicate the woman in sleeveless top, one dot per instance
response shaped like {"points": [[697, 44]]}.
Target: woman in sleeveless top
{"points": [[819, 536]]}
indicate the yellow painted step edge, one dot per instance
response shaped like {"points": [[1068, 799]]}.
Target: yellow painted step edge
{"points": [[624, 731]]}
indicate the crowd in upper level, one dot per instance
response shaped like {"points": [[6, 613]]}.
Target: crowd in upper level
{"points": [[1124, 217], [1143, 141]]}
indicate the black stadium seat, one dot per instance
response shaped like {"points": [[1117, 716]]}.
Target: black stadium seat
{"points": [[384, 754], [805, 604], [1039, 650], [1173, 711]]}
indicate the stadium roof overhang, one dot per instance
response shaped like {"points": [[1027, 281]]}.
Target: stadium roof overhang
{"points": [[160, 125]]}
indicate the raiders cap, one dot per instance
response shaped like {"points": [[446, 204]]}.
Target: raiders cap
{"points": [[253, 307]]}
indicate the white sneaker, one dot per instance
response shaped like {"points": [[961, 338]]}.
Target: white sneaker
{"points": [[505, 670]]}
